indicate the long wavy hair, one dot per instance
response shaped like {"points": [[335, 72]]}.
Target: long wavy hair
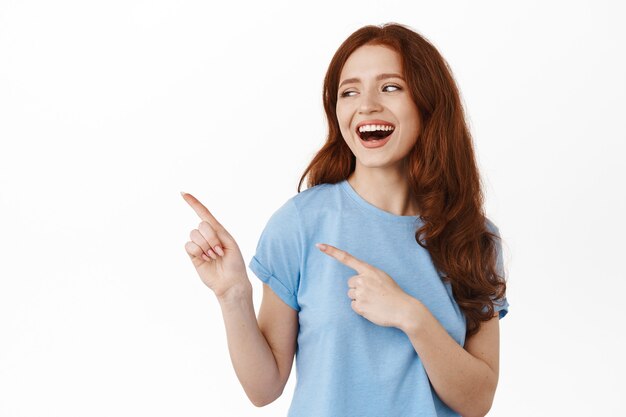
{"points": [[441, 169]]}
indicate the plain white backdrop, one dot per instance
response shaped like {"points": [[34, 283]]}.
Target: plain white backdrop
{"points": [[109, 109]]}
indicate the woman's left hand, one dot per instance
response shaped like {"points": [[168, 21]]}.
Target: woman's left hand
{"points": [[376, 296]]}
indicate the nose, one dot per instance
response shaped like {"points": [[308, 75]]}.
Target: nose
{"points": [[369, 103]]}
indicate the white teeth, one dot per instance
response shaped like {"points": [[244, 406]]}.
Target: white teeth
{"points": [[371, 128]]}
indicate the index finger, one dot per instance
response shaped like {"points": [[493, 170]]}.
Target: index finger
{"points": [[200, 210], [346, 258]]}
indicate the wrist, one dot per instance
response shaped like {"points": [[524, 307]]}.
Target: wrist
{"points": [[235, 294], [412, 317]]}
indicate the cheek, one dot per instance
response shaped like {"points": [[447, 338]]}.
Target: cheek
{"points": [[414, 127], [341, 114], [411, 124], [415, 117], [344, 122]]}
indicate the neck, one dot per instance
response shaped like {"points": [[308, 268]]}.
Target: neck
{"points": [[389, 191]]}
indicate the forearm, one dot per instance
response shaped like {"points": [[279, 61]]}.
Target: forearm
{"points": [[250, 354], [462, 381]]}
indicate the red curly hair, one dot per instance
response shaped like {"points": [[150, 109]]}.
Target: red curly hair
{"points": [[441, 169]]}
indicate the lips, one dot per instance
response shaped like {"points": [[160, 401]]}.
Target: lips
{"points": [[375, 130], [373, 122], [375, 143]]}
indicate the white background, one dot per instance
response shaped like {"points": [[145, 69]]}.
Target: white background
{"points": [[109, 108]]}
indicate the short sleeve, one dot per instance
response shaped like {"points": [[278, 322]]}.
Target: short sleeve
{"points": [[278, 254], [500, 305]]}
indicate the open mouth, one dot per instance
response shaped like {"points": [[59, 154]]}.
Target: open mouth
{"points": [[374, 132]]}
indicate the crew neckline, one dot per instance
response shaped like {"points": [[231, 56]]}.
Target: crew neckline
{"points": [[370, 208]]}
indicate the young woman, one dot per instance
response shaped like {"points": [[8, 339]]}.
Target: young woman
{"points": [[395, 311]]}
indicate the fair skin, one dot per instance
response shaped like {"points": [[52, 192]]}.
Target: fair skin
{"points": [[379, 176], [262, 352], [465, 378]]}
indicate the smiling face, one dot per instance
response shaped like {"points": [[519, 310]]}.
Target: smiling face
{"points": [[377, 117]]}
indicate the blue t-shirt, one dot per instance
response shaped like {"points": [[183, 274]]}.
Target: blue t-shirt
{"points": [[346, 365]]}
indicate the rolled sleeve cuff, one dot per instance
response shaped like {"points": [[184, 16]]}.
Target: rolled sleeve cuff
{"points": [[274, 282]]}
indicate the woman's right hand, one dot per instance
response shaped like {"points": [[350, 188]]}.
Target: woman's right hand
{"points": [[220, 272]]}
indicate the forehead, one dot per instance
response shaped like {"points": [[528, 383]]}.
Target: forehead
{"points": [[370, 60]]}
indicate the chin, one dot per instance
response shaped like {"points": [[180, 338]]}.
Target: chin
{"points": [[374, 162]]}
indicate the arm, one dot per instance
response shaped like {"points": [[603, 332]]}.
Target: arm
{"points": [[261, 352], [250, 353], [464, 378], [253, 346]]}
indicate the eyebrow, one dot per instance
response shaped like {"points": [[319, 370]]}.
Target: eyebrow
{"points": [[378, 78]]}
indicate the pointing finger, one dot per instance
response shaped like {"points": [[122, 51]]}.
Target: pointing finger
{"points": [[201, 210], [344, 257]]}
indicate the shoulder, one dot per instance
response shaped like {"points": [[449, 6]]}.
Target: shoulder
{"points": [[311, 202], [309, 209], [491, 227], [313, 195], [301, 209]]}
